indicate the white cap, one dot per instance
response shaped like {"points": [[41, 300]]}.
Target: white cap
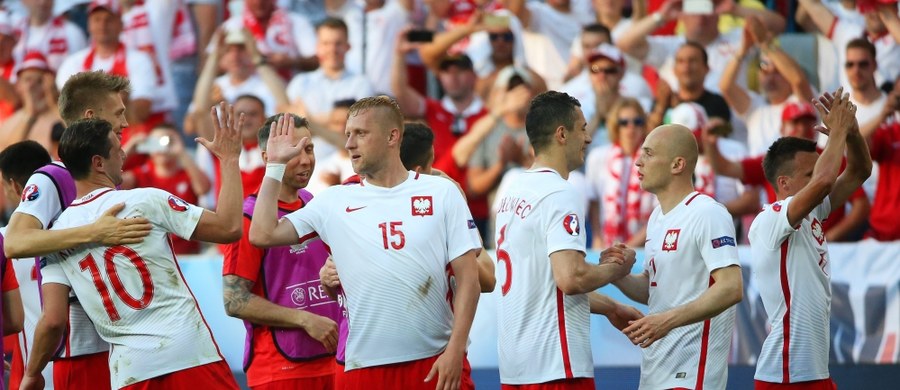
{"points": [[507, 73], [690, 115]]}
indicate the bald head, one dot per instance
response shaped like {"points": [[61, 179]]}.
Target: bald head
{"points": [[676, 141]]}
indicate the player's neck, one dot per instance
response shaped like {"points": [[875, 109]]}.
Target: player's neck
{"points": [[92, 183], [555, 163], [391, 175], [288, 194], [673, 194]]}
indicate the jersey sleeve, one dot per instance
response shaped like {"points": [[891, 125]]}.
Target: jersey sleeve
{"points": [[9, 282], [718, 246], [170, 212], [309, 218], [52, 271], [823, 210], [563, 221], [771, 226], [40, 199], [242, 258], [462, 234]]}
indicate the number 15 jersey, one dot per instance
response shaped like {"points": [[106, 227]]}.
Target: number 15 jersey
{"points": [[136, 295]]}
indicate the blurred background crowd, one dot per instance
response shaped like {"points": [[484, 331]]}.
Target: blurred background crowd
{"points": [[740, 74]]}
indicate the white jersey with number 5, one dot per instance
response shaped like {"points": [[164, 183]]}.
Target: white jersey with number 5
{"points": [[391, 247], [544, 335], [683, 247], [791, 268], [135, 295]]}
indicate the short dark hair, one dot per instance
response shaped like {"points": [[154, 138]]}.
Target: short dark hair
{"points": [[698, 46], [254, 98], [333, 23], [57, 131], [86, 90], [548, 111], [262, 135], [780, 157], [416, 148], [598, 28], [344, 103], [19, 160], [82, 140], [862, 43]]}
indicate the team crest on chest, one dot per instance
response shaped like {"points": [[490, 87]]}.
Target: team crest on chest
{"points": [[670, 241], [817, 231], [421, 206], [570, 223]]}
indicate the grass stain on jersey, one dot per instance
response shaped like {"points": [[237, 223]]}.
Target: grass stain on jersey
{"points": [[426, 287]]}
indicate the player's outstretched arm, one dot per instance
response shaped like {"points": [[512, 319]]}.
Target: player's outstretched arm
{"points": [[635, 286], [859, 168], [727, 291], [47, 334], [448, 366], [619, 315], [25, 236], [225, 224], [241, 303], [840, 118], [266, 230], [573, 275]]}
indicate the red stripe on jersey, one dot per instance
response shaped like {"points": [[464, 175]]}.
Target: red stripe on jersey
{"points": [[68, 335], [887, 355], [310, 236], [417, 176], [91, 199], [785, 289], [563, 342], [196, 304], [704, 345], [692, 199]]}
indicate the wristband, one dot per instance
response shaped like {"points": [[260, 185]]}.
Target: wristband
{"points": [[275, 171]]}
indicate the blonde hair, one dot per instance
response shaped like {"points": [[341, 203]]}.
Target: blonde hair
{"points": [[389, 107], [612, 119]]}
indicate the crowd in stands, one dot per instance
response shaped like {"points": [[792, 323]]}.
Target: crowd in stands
{"points": [[740, 74]]}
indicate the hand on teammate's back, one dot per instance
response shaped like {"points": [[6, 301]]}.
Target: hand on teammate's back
{"points": [[448, 368], [328, 275], [227, 140], [112, 231]]}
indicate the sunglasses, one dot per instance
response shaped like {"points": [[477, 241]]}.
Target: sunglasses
{"points": [[633, 121], [608, 70], [506, 36], [860, 64]]}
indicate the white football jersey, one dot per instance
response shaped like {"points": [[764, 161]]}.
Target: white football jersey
{"points": [[42, 200], [391, 247], [545, 334], [791, 270], [683, 247], [30, 291], [135, 294]]}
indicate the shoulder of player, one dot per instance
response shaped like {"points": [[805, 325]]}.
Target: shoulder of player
{"points": [[703, 205]]}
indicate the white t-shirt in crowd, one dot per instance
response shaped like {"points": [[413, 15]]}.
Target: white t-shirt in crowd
{"points": [[40, 39], [561, 28], [377, 40], [138, 64], [253, 85], [720, 51], [319, 92]]}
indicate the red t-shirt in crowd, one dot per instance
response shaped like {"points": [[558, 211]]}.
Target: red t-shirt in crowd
{"points": [[885, 151]]}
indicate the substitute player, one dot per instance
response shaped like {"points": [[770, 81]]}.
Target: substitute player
{"points": [[392, 237], [790, 257], [544, 308], [291, 322], [83, 356], [135, 294], [691, 279], [17, 163]]}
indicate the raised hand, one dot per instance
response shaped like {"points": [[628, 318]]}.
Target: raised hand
{"points": [[226, 143], [841, 117], [111, 230], [280, 147]]}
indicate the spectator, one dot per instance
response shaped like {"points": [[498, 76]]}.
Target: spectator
{"points": [[618, 207], [781, 80], [691, 68], [374, 26], [874, 29], [170, 168], [335, 166], [38, 114], [860, 68], [797, 120], [107, 53], [54, 37], [314, 94], [206, 16], [885, 148], [660, 52], [555, 19], [286, 39], [610, 17]]}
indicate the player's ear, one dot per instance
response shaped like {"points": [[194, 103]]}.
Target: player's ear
{"points": [[560, 134], [97, 163], [265, 156], [678, 164], [88, 113]]}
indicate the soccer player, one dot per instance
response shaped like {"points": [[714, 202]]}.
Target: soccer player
{"points": [[291, 322], [544, 308], [691, 279], [392, 237], [17, 163], [83, 357], [135, 294], [790, 257]]}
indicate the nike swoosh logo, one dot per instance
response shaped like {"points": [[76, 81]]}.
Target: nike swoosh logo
{"points": [[350, 210]]}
